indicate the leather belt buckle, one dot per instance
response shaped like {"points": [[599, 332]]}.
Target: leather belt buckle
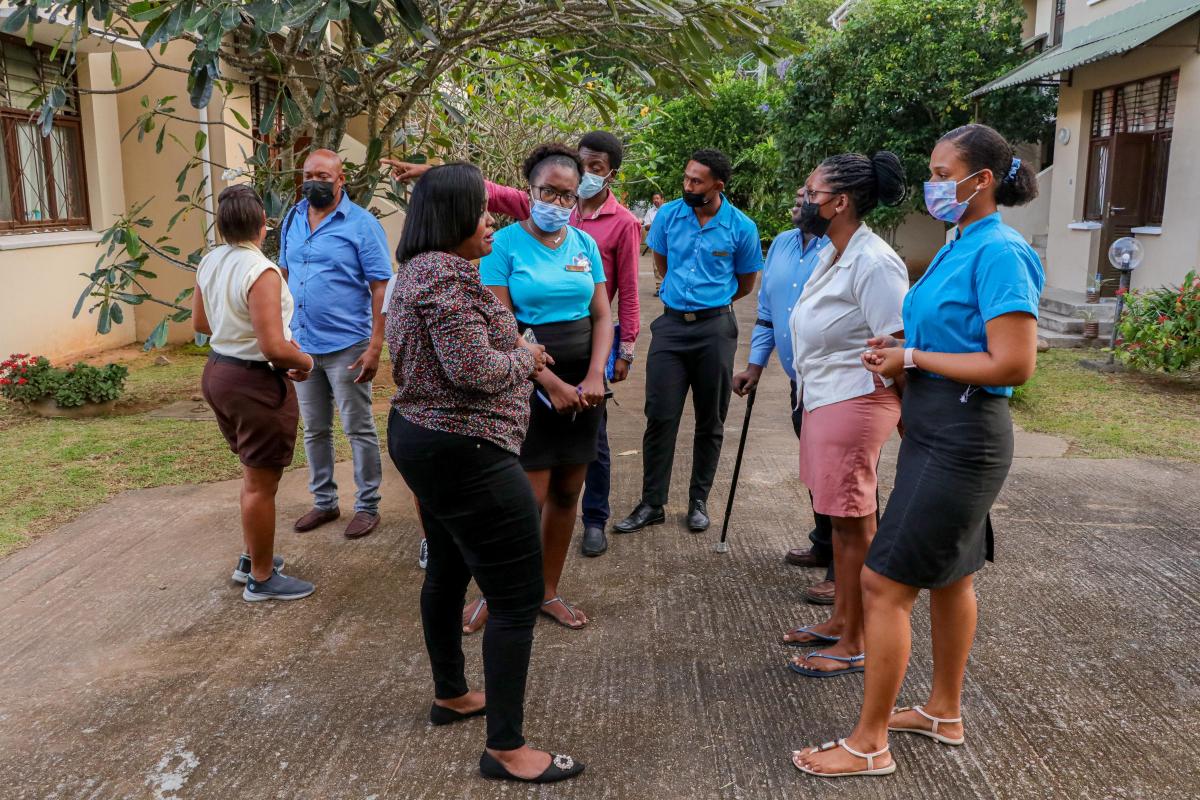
{"points": [[689, 316]]}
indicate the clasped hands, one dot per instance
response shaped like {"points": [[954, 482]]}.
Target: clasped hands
{"points": [[885, 356]]}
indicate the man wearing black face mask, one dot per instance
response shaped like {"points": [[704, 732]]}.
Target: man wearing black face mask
{"points": [[336, 258], [708, 253], [790, 261]]}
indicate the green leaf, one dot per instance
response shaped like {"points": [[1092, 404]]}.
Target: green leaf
{"points": [[116, 314], [201, 140], [18, 19], [291, 111], [133, 245], [158, 144], [363, 20], [267, 122], [242, 120], [114, 66], [410, 15], [104, 323], [145, 11], [82, 297], [349, 76]]}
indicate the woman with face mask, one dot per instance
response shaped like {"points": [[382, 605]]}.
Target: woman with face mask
{"points": [[551, 276], [970, 324], [855, 293]]}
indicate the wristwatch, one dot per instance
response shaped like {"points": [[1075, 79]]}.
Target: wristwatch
{"points": [[908, 358]]}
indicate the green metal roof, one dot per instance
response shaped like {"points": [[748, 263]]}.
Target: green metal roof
{"points": [[1108, 36]]}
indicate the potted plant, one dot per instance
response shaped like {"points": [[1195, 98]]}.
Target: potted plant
{"points": [[78, 391], [1091, 326], [1095, 285]]}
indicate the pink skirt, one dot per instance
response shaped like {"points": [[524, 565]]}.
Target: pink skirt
{"points": [[839, 451]]}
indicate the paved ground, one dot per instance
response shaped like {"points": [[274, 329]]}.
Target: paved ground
{"points": [[130, 667]]}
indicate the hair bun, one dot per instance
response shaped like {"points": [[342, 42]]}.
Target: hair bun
{"points": [[889, 177]]}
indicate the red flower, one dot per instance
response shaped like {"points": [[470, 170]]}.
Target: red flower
{"points": [[4, 381], [22, 381], [1162, 318], [1121, 291]]}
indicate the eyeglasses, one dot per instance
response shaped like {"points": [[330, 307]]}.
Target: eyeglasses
{"points": [[548, 194], [806, 193]]}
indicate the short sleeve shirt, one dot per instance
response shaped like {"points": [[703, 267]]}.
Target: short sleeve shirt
{"points": [[546, 285], [225, 276], [703, 262], [987, 271]]}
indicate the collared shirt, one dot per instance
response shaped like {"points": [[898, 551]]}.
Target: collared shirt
{"points": [[987, 271], [847, 301], [225, 276], [545, 284], [648, 217], [617, 234], [330, 271], [790, 262], [703, 262]]}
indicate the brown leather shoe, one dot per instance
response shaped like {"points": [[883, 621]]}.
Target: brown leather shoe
{"points": [[820, 594], [805, 557], [363, 523], [316, 517]]}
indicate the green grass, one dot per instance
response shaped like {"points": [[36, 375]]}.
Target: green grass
{"points": [[53, 470], [1111, 415]]}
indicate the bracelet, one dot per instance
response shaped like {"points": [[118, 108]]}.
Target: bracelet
{"points": [[908, 358], [625, 351]]}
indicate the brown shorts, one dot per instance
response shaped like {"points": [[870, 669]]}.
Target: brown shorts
{"points": [[256, 410]]}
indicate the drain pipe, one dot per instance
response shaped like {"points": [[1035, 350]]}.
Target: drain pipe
{"points": [[210, 237]]}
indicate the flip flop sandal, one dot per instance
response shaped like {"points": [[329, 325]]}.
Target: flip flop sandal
{"points": [[849, 661], [480, 605], [868, 757], [932, 734], [818, 638], [570, 610]]}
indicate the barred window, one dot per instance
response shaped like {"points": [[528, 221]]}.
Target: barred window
{"points": [[42, 182]]}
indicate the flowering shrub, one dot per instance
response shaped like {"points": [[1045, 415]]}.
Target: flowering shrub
{"points": [[1160, 328], [28, 379]]}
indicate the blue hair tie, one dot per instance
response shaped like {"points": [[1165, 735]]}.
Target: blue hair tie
{"points": [[1012, 173]]}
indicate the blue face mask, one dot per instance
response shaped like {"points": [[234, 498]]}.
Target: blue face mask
{"points": [[941, 198], [549, 217], [591, 185]]}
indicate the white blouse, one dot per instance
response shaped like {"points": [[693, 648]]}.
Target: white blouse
{"points": [[846, 301], [225, 276]]}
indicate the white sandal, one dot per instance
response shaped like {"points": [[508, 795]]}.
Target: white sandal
{"points": [[868, 757], [933, 734]]}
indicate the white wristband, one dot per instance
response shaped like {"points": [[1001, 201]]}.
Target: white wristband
{"points": [[908, 358]]}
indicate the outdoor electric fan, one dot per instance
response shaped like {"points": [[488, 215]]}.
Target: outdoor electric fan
{"points": [[1125, 255]]}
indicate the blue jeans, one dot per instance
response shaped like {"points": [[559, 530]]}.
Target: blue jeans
{"points": [[332, 383], [598, 480]]}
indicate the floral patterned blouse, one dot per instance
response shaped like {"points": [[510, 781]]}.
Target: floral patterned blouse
{"points": [[456, 360]]}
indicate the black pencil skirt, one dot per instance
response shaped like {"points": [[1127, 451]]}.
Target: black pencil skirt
{"points": [[954, 458], [557, 439]]}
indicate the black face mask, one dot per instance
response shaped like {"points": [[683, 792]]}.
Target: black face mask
{"points": [[694, 200], [318, 193], [810, 220]]}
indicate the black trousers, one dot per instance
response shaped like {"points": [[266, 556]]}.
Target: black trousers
{"points": [[695, 356], [481, 522], [821, 535]]}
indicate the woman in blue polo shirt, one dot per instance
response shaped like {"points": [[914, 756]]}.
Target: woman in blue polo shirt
{"points": [[552, 278], [970, 326]]}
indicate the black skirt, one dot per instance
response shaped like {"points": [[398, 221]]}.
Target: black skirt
{"points": [[557, 439], [955, 455]]}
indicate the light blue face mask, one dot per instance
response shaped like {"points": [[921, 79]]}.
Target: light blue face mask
{"points": [[941, 198], [591, 185], [549, 217]]}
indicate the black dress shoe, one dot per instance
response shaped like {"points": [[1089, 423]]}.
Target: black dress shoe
{"points": [[594, 540], [645, 514], [697, 519], [440, 715], [561, 767]]}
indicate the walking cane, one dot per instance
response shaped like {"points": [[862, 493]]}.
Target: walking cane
{"points": [[722, 546]]}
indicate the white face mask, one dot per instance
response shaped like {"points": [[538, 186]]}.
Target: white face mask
{"points": [[591, 185], [941, 198]]}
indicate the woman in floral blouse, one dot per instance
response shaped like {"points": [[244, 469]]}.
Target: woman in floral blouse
{"points": [[457, 422]]}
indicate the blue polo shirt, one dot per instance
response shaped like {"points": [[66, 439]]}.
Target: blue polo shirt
{"points": [[703, 263], [790, 263], [987, 271], [330, 271], [546, 285]]}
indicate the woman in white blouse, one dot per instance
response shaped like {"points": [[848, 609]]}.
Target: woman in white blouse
{"points": [[855, 293]]}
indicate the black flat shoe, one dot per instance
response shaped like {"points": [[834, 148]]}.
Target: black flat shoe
{"points": [[440, 715], [561, 768], [697, 519], [594, 541], [645, 514]]}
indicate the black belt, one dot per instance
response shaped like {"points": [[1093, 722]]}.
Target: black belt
{"points": [[241, 362], [696, 316]]}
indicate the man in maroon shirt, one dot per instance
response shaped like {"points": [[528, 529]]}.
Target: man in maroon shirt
{"points": [[618, 233]]}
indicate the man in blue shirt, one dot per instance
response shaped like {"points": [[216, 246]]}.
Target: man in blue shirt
{"points": [[335, 256], [708, 253], [790, 262]]}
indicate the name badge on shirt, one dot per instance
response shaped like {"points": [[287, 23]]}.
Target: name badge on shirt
{"points": [[580, 263], [720, 253]]}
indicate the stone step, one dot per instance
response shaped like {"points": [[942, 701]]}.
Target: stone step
{"points": [[1073, 304], [1058, 340], [1061, 323]]}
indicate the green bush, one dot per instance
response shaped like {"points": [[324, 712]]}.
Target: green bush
{"points": [[28, 379], [1160, 328]]}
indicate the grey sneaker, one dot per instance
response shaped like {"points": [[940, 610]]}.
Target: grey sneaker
{"points": [[423, 555], [242, 571], [277, 587]]}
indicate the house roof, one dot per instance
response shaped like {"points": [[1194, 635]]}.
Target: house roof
{"points": [[1108, 36]]}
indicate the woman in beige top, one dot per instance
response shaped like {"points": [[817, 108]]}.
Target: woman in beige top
{"points": [[242, 303]]}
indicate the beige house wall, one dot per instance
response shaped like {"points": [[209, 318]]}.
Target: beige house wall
{"points": [[40, 273], [1071, 253]]}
